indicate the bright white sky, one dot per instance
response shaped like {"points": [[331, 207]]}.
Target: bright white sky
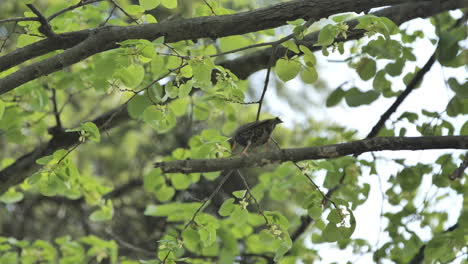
{"points": [[433, 95]]}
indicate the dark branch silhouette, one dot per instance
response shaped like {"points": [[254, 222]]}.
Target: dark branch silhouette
{"points": [[313, 153]]}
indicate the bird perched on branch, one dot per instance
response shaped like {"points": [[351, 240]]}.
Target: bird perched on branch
{"points": [[254, 134]]}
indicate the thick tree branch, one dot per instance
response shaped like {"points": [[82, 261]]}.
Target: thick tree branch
{"points": [[312, 153], [242, 67], [106, 38], [248, 64], [45, 27]]}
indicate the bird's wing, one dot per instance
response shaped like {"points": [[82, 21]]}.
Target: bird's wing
{"points": [[251, 125]]}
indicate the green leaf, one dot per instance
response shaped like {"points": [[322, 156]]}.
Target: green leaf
{"points": [[11, 196], [165, 193], [40, 98], [366, 68], [44, 160], [239, 216], [334, 216], [239, 194], [131, 76], [169, 3], [191, 239], [343, 17], [331, 233], [137, 105], [464, 129], [233, 42], [92, 131], [147, 51], [448, 47], [159, 41], [354, 97], [24, 40], [180, 181], [411, 117], [158, 66], [387, 49], [175, 211], [291, 45], [150, 4], [395, 68], [309, 75], [227, 207], [201, 69], [185, 89], [201, 111], [327, 35], [207, 235], [171, 90], [134, 10], [179, 106], [381, 83], [335, 97], [101, 215], [315, 212], [436, 248], [287, 69], [153, 180], [381, 25], [2, 109], [460, 89], [457, 106], [410, 178], [387, 27], [309, 57], [158, 120], [296, 22]]}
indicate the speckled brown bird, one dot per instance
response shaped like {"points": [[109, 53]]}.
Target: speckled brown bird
{"points": [[254, 134]]}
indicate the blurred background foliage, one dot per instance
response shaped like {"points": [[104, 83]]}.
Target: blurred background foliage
{"points": [[101, 201]]}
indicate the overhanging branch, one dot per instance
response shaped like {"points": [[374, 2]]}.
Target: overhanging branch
{"points": [[313, 153], [243, 67], [106, 38]]}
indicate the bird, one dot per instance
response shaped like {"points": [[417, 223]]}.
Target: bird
{"points": [[254, 134]]}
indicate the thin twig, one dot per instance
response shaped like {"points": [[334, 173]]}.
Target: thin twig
{"points": [[18, 19], [267, 79], [165, 258], [245, 48], [409, 88], [108, 17], [125, 12], [79, 4], [129, 245], [56, 111], [259, 208], [223, 180], [174, 55], [270, 64], [45, 27], [211, 8], [8, 36], [325, 198]]}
